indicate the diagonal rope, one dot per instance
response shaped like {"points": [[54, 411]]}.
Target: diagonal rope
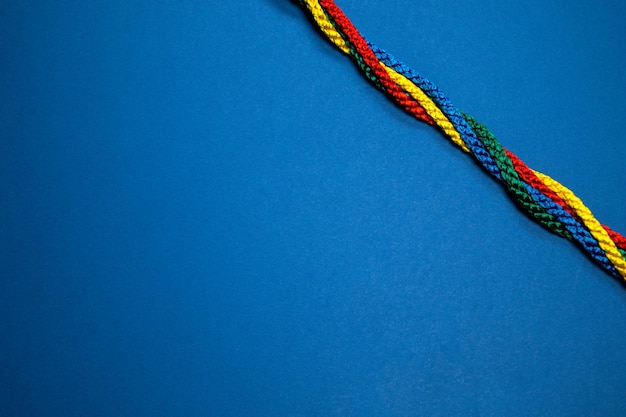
{"points": [[543, 198]]}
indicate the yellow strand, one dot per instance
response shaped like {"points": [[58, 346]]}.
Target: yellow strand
{"points": [[326, 26], [431, 109], [592, 224]]}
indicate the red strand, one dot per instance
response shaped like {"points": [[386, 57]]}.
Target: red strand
{"points": [[369, 57]]}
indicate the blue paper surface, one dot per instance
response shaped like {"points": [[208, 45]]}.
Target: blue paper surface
{"points": [[207, 211]]}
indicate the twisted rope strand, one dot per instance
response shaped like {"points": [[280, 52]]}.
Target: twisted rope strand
{"points": [[433, 111], [543, 198], [368, 62], [530, 178], [594, 227]]}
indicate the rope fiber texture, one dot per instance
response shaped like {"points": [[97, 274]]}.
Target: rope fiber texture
{"points": [[544, 199]]}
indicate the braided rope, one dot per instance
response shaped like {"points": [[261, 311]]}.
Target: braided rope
{"points": [[544, 199]]}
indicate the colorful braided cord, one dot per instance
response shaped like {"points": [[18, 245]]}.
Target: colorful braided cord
{"points": [[546, 200]]}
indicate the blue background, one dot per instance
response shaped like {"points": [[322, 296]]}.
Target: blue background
{"points": [[207, 211]]}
